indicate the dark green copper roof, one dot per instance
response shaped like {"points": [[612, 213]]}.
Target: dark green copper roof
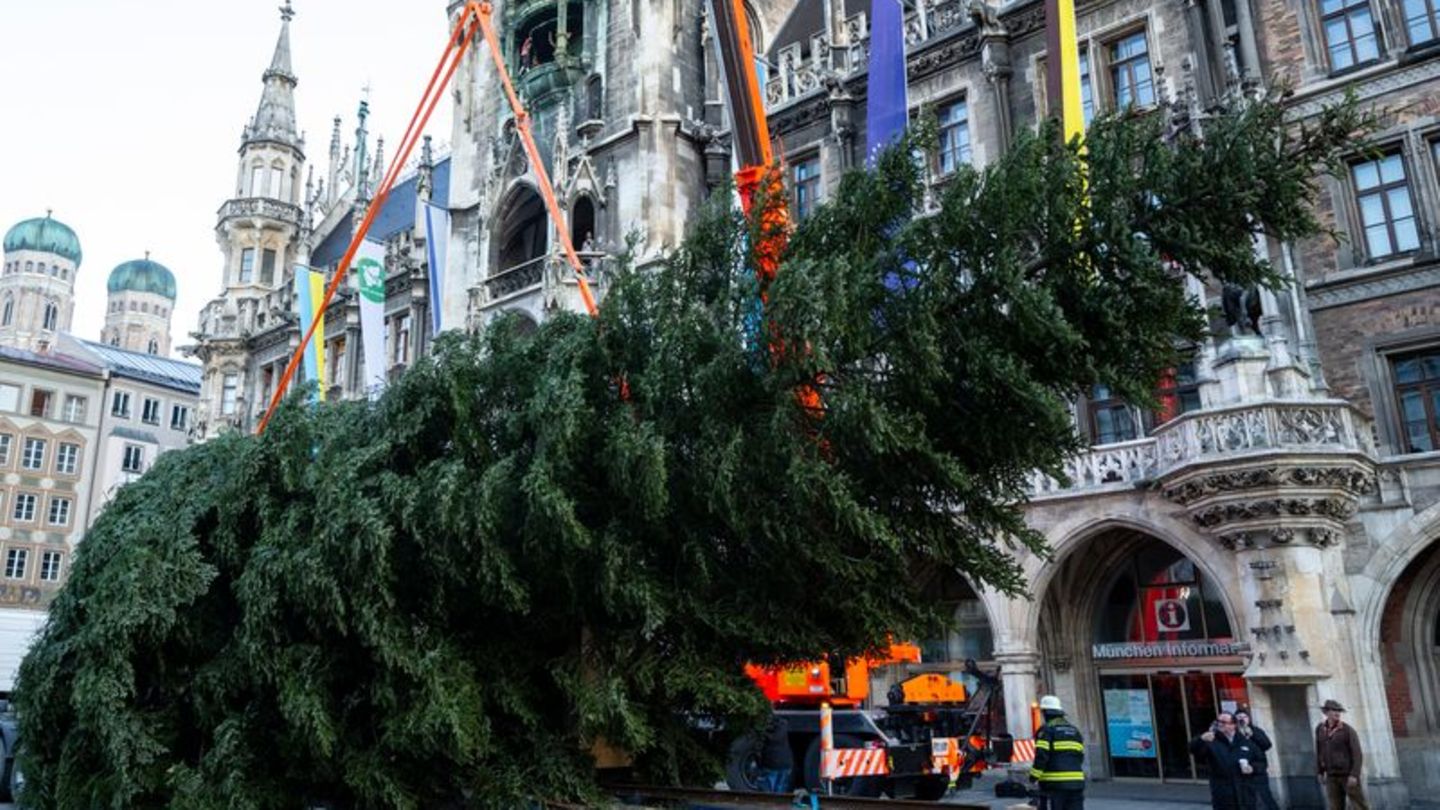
{"points": [[45, 235], [143, 275]]}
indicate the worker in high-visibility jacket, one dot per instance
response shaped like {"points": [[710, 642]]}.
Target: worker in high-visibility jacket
{"points": [[1059, 759]]}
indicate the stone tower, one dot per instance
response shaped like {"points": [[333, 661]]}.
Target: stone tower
{"points": [[37, 286], [141, 303], [617, 93], [260, 236]]}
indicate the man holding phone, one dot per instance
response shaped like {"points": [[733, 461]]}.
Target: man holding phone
{"points": [[1230, 756]]}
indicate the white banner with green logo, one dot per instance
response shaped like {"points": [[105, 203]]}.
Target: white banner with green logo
{"points": [[370, 277]]}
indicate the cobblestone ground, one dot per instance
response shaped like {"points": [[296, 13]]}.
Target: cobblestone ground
{"points": [[1099, 796]]}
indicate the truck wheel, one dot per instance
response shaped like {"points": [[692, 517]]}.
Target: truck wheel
{"points": [[931, 788], [862, 786], [742, 767]]}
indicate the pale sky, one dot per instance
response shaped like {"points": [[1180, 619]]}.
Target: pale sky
{"points": [[125, 116]]}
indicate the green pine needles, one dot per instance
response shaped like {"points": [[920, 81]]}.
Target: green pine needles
{"points": [[445, 598]]}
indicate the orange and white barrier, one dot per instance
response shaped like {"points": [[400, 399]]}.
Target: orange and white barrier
{"points": [[827, 743], [1024, 751], [843, 763]]}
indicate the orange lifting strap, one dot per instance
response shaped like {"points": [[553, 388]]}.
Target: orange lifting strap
{"points": [[474, 15]]}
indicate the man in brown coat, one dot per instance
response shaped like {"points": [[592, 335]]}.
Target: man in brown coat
{"points": [[1338, 760]]}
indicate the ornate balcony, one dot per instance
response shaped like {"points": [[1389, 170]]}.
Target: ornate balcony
{"points": [[1231, 435], [796, 74], [517, 279], [263, 207]]}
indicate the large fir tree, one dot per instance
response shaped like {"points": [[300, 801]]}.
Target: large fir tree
{"points": [[455, 591]]}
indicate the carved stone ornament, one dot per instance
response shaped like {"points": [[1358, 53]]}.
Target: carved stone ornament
{"points": [[1281, 536], [1348, 480]]}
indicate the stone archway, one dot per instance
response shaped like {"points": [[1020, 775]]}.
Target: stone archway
{"points": [[1132, 623], [1409, 640]]}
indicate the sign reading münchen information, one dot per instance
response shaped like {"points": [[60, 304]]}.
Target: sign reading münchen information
{"points": [[1201, 648]]}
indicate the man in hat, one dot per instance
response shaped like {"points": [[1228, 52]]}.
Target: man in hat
{"points": [[1059, 759], [1338, 760]]}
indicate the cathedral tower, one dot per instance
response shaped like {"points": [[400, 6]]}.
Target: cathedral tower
{"points": [[142, 301], [37, 286]]}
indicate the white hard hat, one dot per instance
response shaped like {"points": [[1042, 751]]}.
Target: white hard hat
{"points": [[1050, 703]]}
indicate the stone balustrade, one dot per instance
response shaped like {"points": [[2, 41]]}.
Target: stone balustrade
{"points": [[799, 71], [1231, 433], [260, 207]]}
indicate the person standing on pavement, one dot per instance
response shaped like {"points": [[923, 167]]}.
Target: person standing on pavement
{"points": [[1338, 759], [1059, 759], [1229, 756], [1257, 784], [776, 758]]}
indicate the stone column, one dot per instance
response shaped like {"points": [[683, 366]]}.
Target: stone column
{"points": [[1019, 677], [1204, 66], [995, 59], [1249, 53]]}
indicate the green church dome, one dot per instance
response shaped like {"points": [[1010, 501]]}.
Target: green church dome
{"points": [[143, 275], [45, 235]]}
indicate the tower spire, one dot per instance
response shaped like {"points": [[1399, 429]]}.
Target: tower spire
{"points": [[275, 118]]}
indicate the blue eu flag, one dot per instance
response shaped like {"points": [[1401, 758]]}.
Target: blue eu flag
{"points": [[886, 110]]}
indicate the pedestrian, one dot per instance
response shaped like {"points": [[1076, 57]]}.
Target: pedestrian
{"points": [[1059, 759], [525, 54], [776, 758], [1229, 755], [1257, 783], [1338, 759]]}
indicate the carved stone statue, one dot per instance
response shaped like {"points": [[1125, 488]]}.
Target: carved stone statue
{"points": [[1241, 306], [986, 17]]}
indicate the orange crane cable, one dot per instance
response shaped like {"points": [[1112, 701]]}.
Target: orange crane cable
{"points": [[458, 44], [547, 191]]}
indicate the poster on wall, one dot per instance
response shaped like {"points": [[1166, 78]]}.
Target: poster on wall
{"points": [[1129, 723]]}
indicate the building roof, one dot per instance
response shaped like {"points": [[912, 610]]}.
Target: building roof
{"points": [[51, 360], [45, 235], [331, 249], [397, 216], [149, 368], [143, 275]]}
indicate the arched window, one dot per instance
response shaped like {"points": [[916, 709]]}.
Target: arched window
{"points": [[277, 182], [29, 266], [115, 340], [52, 316], [144, 306], [154, 347], [40, 268], [257, 177], [9, 315], [54, 269], [582, 224]]}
